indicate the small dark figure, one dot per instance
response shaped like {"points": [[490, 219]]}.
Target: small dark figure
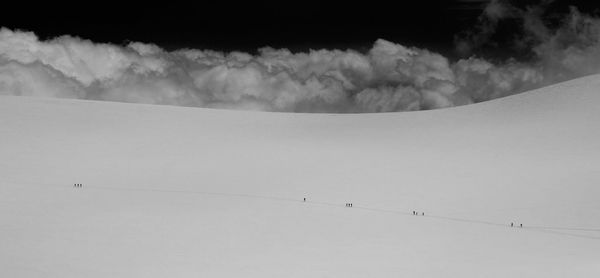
{"points": [[521, 225], [414, 212], [422, 214], [511, 224], [304, 199]]}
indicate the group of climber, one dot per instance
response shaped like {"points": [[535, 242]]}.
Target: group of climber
{"points": [[348, 205]]}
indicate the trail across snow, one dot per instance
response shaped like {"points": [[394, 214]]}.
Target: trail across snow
{"points": [[181, 192], [548, 228]]}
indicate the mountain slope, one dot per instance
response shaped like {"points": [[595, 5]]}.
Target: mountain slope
{"points": [[184, 192]]}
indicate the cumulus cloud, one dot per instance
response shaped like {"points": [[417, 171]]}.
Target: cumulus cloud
{"points": [[573, 49], [389, 77], [569, 49], [495, 11], [35, 79]]}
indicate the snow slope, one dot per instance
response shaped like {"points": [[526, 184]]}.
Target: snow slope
{"points": [[187, 192]]}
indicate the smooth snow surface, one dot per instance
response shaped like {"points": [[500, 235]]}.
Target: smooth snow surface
{"points": [[185, 192]]}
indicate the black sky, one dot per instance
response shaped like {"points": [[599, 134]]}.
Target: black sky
{"points": [[227, 26]]}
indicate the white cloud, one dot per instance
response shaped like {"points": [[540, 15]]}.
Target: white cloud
{"points": [[35, 79], [389, 77]]}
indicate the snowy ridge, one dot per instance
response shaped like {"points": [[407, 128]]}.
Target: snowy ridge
{"points": [[182, 192]]}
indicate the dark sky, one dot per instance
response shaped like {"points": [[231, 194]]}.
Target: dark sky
{"points": [[227, 25]]}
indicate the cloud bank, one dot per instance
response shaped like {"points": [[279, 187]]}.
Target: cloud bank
{"points": [[389, 77]]}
